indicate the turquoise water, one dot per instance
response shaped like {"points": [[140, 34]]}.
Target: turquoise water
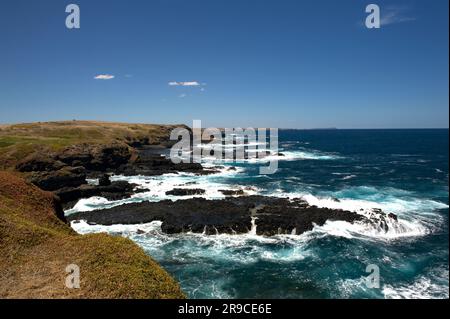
{"points": [[399, 171]]}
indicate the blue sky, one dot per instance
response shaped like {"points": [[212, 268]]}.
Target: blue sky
{"points": [[266, 63]]}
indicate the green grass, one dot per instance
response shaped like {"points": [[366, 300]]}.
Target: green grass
{"points": [[54, 142], [20, 140], [5, 143]]}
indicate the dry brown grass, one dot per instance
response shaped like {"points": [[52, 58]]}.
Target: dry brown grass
{"points": [[36, 247]]}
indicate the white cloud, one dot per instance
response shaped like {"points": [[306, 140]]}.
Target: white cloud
{"points": [[182, 95], [395, 14], [192, 83], [104, 77]]}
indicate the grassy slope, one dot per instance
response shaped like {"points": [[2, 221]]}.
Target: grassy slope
{"points": [[36, 247], [19, 140]]}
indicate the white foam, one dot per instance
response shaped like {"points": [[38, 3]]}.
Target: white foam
{"points": [[416, 217], [253, 227], [241, 248], [282, 155], [296, 156], [423, 288], [360, 230], [82, 227], [88, 204], [157, 186], [92, 181]]}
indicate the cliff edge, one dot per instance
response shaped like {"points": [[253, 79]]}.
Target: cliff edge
{"points": [[36, 246]]}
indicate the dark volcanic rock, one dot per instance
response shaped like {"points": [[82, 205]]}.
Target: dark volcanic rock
{"points": [[38, 162], [154, 164], [104, 180], [381, 219], [115, 191], [393, 216], [196, 215], [283, 219], [53, 180], [273, 215], [96, 157], [185, 191], [228, 192]]}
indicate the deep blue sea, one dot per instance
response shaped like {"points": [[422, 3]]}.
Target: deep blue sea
{"points": [[405, 172]]}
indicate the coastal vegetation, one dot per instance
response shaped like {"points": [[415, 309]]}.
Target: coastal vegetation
{"points": [[20, 140], [36, 246], [36, 243]]}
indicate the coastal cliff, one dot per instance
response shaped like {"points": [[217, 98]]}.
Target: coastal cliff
{"points": [[93, 144], [36, 246], [60, 156]]}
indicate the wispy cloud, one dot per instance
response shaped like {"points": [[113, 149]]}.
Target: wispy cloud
{"points": [[395, 14], [191, 83], [182, 96], [104, 77]]}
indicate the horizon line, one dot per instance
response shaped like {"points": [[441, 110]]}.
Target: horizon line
{"points": [[222, 127]]}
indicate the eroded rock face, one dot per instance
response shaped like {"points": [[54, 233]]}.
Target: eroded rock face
{"points": [[39, 162], [272, 215], [151, 165], [70, 167], [96, 157], [64, 177]]}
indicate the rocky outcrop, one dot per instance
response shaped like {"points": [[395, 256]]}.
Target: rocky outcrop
{"points": [[67, 176], [154, 164], [98, 157], [231, 192], [38, 162], [70, 167], [295, 220], [272, 215], [104, 180], [114, 191], [185, 191]]}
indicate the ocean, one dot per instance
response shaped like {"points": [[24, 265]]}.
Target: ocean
{"points": [[400, 171]]}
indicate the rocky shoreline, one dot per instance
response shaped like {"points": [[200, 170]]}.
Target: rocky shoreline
{"points": [[65, 173], [270, 215]]}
